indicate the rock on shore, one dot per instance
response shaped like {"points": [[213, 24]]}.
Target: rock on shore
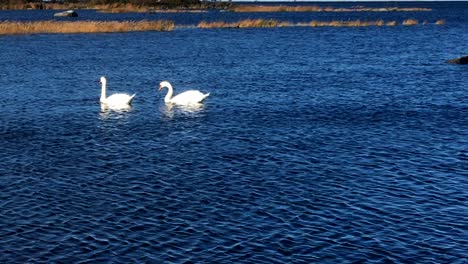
{"points": [[461, 60], [68, 13]]}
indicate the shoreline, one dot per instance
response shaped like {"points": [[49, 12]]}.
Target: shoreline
{"points": [[76, 27], [230, 7]]}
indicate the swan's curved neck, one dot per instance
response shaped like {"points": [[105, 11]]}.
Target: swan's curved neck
{"points": [[103, 91], [170, 91]]}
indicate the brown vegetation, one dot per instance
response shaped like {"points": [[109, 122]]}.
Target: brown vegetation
{"points": [[121, 8], [247, 23], [113, 6], [178, 11], [410, 22], [255, 23], [11, 28], [131, 8], [39, 5], [104, 8], [354, 23], [67, 27], [281, 8]]}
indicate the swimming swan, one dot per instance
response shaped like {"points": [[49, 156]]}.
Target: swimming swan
{"points": [[185, 98], [115, 101]]}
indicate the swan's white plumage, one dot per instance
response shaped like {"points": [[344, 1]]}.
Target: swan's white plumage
{"points": [[114, 101], [185, 98]]}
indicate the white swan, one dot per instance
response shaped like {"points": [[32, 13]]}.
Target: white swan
{"points": [[186, 98], [115, 101]]}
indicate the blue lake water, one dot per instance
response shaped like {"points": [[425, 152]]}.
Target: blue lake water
{"points": [[328, 145]]}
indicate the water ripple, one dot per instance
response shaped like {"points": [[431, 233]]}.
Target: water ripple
{"points": [[326, 153]]}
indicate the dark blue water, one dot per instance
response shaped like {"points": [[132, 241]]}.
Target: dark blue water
{"points": [[329, 145]]}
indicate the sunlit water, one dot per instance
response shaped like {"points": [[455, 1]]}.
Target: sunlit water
{"points": [[330, 145]]}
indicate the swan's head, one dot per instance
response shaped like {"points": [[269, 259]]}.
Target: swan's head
{"points": [[164, 84], [102, 80]]}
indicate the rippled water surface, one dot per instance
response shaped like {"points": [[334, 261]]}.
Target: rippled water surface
{"points": [[330, 145]]}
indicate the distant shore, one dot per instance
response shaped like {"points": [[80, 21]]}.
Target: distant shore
{"points": [[205, 6], [114, 7], [68, 27], [281, 8]]}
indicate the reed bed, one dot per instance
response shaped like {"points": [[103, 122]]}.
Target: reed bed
{"points": [[102, 8], [410, 22], [178, 11], [67, 27], [256, 23], [281, 8], [132, 8], [121, 8], [40, 5], [354, 23], [247, 23]]}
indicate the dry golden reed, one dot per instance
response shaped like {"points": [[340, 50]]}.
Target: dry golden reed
{"points": [[410, 22], [255, 23], [121, 8], [41, 5], [281, 8], [247, 23], [67, 27], [353, 23], [132, 8]]}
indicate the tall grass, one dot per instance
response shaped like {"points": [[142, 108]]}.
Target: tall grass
{"points": [[353, 23], [247, 23], [281, 8], [410, 22], [144, 6], [41, 5], [255, 23], [178, 11], [121, 8], [67, 27], [132, 8], [117, 7]]}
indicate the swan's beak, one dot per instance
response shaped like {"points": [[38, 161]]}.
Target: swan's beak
{"points": [[160, 88]]}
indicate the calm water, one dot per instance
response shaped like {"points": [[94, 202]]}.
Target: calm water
{"points": [[330, 145]]}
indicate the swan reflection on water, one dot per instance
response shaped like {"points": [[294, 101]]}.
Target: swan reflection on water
{"points": [[170, 110], [111, 113]]}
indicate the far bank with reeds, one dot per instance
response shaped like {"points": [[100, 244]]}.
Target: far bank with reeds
{"points": [[69, 27], [286, 8], [269, 23], [132, 6]]}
